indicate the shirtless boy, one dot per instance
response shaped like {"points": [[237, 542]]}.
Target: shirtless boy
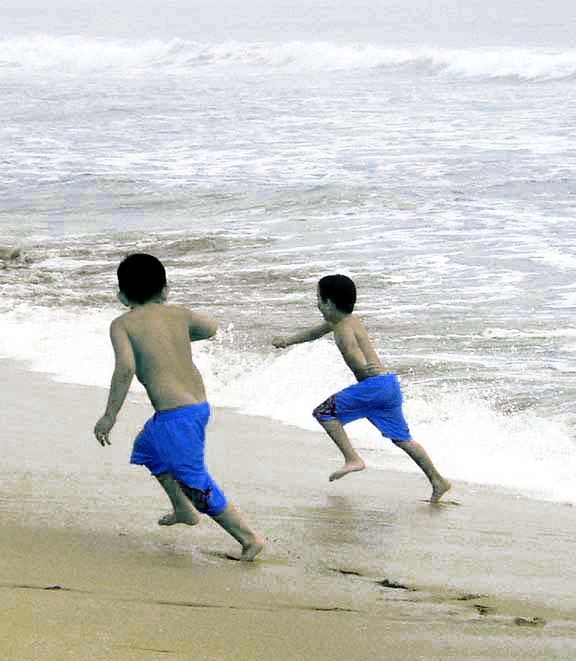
{"points": [[376, 396], [152, 341]]}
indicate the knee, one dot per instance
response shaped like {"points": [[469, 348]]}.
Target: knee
{"points": [[404, 443], [326, 410], [211, 501], [198, 498]]}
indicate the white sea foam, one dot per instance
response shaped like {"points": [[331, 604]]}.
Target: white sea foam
{"points": [[513, 333], [470, 439], [69, 54], [465, 434], [70, 346]]}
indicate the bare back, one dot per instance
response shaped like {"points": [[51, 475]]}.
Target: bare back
{"points": [[356, 348], [160, 337]]}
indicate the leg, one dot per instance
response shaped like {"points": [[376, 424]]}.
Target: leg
{"points": [[183, 510], [234, 524], [352, 460], [213, 502], [419, 455]]}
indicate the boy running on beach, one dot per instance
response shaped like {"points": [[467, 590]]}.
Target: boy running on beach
{"points": [[152, 341], [376, 396]]}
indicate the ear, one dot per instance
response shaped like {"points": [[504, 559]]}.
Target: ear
{"points": [[164, 293]]}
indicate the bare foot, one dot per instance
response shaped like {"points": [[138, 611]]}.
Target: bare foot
{"points": [[439, 489], [189, 517], [250, 551], [349, 467]]}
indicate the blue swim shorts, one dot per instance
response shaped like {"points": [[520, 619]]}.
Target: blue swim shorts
{"points": [[173, 442], [378, 399]]}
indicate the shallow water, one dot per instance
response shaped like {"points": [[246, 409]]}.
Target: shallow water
{"points": [[428, 154]]}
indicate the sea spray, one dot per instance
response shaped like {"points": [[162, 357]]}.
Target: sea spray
{"points": [[465, 431]]}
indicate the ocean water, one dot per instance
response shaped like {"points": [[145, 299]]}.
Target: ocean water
{"points": [[426, 149]]}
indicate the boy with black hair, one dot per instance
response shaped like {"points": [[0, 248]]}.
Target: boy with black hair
{"points": [[376, 397], [152, 341]]}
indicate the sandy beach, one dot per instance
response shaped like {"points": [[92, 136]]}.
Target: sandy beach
{"points": [[422, 149], [363, 568]]}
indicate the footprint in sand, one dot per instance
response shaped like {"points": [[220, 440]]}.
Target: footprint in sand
{"points": [[442, 503], [484, 610], [385, 583], [529, 621], [345, 572], [470, 597]]}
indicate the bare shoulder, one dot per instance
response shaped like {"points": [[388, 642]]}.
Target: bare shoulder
{"points": [[357, 325], [200, 326], [351, 325], [186, 313], [353, 330], [178, 311], [122, 342], [119, 324], [345, 332]]}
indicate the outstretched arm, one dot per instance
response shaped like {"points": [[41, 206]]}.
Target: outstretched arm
{"points": [[124, 369], [306, 335]]}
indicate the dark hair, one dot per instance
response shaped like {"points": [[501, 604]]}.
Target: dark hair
{"points": [[141, 277], [340, 289]]}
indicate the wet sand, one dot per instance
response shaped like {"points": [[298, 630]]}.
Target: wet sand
{"points": [[363, 568]]}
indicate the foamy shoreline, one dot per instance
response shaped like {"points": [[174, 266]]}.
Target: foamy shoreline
{"points": [[530, 452], [355, 567]]}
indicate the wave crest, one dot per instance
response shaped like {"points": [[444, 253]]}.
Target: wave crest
{"points": [[71, 55]]}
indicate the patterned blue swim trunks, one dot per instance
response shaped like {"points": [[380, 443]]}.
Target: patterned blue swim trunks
{"points": [[174, 442], [378, 399]]}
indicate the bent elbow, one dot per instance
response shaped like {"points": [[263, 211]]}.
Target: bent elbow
{"points": [[211, 330], [202, 331]]}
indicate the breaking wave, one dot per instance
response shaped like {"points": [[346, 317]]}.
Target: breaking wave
{"points": [[77, 55]]}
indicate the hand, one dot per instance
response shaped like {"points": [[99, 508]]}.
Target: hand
{"points": [[279, 343], [102, 430]]}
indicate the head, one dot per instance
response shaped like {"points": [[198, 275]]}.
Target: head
{"points": [[141, 279], [336, 293]]}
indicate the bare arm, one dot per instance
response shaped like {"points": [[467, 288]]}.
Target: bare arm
{"points": [[200, 327], [124, 369], [306, 335]]}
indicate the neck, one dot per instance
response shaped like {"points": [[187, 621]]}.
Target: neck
{"points": [[336, 317], [135, 306]]}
